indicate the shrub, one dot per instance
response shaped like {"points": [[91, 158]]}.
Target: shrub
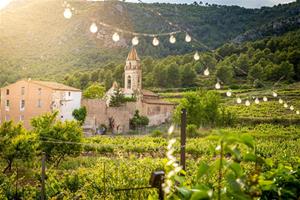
{"points": [[157, 133], [191, 130]]}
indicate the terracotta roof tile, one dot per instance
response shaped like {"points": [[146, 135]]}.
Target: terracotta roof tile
{"points": [[54, 85]]}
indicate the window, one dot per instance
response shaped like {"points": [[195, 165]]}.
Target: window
{"points": [[7, 91], [69, 93], [39, 104], [22, 90], [40, 91], [22, 104], [129, 82], [61, 116], [7, 105]]}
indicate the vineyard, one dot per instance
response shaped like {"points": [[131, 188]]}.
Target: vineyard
{"points": [[110, 163]]}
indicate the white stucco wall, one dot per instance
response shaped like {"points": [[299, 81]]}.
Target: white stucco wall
{"points": [[68, 104]]}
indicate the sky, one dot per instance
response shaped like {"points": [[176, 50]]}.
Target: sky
{"points": [[243, 3]]}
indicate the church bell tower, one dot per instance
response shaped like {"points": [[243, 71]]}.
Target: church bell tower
{"points": [[133, 73]]}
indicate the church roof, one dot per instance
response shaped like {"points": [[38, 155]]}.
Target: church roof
{"points": [[133, 55]]}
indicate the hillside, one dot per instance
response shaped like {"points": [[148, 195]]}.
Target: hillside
{"points": [[36, 41]]}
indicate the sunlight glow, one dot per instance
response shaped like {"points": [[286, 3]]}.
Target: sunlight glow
{"points": [[4, 3]]}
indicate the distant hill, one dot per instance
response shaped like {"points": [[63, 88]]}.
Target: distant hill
{"points": [[36, 41]]}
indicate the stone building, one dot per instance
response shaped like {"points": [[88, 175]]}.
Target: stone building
{"points": [[25, 99], [147, 103]]}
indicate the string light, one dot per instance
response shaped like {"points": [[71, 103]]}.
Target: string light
{"points": [[116, 37], [280, 101], [218, 86], [256, 101], [172, 39], [206, 72], [135, 41], [297, 112], [155, 41], [229, 93], [265, 99], [275, 94], [68, 13], [292, 108], [239, 100], [285, 105], [196, 56], [188, 38], [247, 103], [93, 28]]}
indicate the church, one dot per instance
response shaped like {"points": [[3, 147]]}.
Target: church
{"points": [[148, 104]]}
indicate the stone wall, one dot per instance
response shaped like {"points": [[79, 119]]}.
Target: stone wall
{"points": [[98, 113]]}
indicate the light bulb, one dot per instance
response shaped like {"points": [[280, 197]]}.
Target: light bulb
{"points": [[217, 86], [196, 56], [247, 103], [68, 13], [275, 94], [116, 37], [239, 100], [93, 28], [265, 99], [155, 41], [285, 105], [172, 39], [256, 101], [297, 112], [228, 93], [135, 41], [292, 108], [188, 38], [206, 72], [280, 101]]}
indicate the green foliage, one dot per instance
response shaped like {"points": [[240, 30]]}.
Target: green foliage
{"points": [[203, 109], [157, 133], [225, 74], [94, 91], [138, 121], [15, 143], [72, 58], [117, 99], [192, 131], [67, 134], [80, 114]]}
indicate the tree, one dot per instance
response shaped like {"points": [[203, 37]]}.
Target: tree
{"points": [[225, 73], [203, 109], [188, 76], [15, 143], [117, 99], [80, 114], [256, 72], [173, 75], [138, 121], [57, 139], [94, 91]]}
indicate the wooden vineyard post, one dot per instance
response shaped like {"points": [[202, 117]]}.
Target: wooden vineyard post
{"points": [[43, 195], [183, 138]]}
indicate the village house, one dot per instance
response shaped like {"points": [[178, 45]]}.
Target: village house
{"points": [[147, 103], [25, 99]]}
